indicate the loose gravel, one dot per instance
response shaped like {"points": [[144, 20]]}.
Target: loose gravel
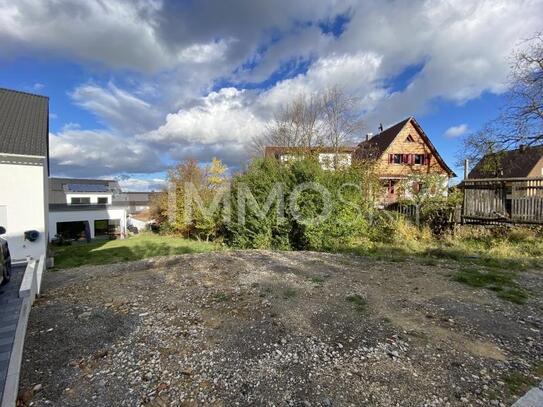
{"points": [[278, 329]]}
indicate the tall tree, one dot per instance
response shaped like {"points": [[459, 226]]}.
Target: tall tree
{"points": [[330, 118], [342, 119], [521, 119], [524, 111]]}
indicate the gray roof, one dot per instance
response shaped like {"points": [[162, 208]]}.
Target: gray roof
{"points": [[24, 123], [516, 163]]}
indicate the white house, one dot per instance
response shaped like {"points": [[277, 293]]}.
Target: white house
{"points": [[24, 170], [93, 208]]}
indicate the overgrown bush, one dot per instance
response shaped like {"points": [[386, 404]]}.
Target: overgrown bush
{"points": [[298, 206], [438, 212]]}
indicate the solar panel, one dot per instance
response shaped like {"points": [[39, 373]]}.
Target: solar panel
{"points": [[87, 188]]}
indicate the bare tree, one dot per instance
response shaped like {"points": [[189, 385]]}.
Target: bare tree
{"points": [[521, 119], [342, 119], [297, 124], [328, 119], [485, 144], [523, 115]]}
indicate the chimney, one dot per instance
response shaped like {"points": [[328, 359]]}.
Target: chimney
{"points": [[380, 127], [522, 148], [369, 136]]}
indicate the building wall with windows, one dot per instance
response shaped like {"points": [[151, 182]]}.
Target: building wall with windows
{"points": [[116, 218], [408, 154]]}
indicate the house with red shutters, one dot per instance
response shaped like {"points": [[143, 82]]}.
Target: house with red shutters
{"points": [[400, 151]]}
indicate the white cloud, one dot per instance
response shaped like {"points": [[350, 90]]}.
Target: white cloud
{"points": [[456, 131], [223, 124], [357, 74], [165, 58], [138, 184], [93, 153], [117, 108]]}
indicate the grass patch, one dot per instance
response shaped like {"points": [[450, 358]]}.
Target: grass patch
{"points": [[511, 248], [358, 301], [317, 280], [221, 297], [137, 247], [289, 293], [518, 383], [501, 282]]}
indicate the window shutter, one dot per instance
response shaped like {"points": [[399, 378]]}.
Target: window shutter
{"points": [[390, 158], [428, 157]]}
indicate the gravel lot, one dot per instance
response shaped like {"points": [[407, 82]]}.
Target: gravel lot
{"points": [[276, 328]]}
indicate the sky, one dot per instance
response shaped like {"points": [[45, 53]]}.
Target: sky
{"points": [[136, 86]]}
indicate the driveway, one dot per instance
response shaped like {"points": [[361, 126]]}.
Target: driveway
{"points": [[278, 328]]}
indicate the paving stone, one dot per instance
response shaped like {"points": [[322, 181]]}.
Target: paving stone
{"points": [[534, 398], [10, 307]]}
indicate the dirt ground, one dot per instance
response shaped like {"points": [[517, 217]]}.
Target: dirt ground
{"points": [[277, 328]]}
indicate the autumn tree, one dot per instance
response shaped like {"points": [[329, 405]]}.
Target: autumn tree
{"points": [[188, 206]]}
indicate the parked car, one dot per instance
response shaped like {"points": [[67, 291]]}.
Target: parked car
{"points": [[5, 259]]}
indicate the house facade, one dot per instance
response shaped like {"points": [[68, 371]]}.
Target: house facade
{"points": [[24, 170], [401, 151], [330, 158], [92, 208]]}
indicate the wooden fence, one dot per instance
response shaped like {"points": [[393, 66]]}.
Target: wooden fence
{"points": [[506, 200]]}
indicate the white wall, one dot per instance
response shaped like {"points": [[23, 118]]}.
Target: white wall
{"points": [[23, 194], [90, 216]]}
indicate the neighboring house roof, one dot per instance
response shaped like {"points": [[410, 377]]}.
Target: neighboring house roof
{"points": [[24, 123], [377, 145], [516, 163], [275, 151]]}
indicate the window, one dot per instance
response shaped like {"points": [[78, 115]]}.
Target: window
{"points": [[422, 159], [107, 227], [391, 186], [400, 158], [410, 139], [80, 200], [102, 200]]}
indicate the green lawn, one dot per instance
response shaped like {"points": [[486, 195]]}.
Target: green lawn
{"points": [[134, 248]]}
